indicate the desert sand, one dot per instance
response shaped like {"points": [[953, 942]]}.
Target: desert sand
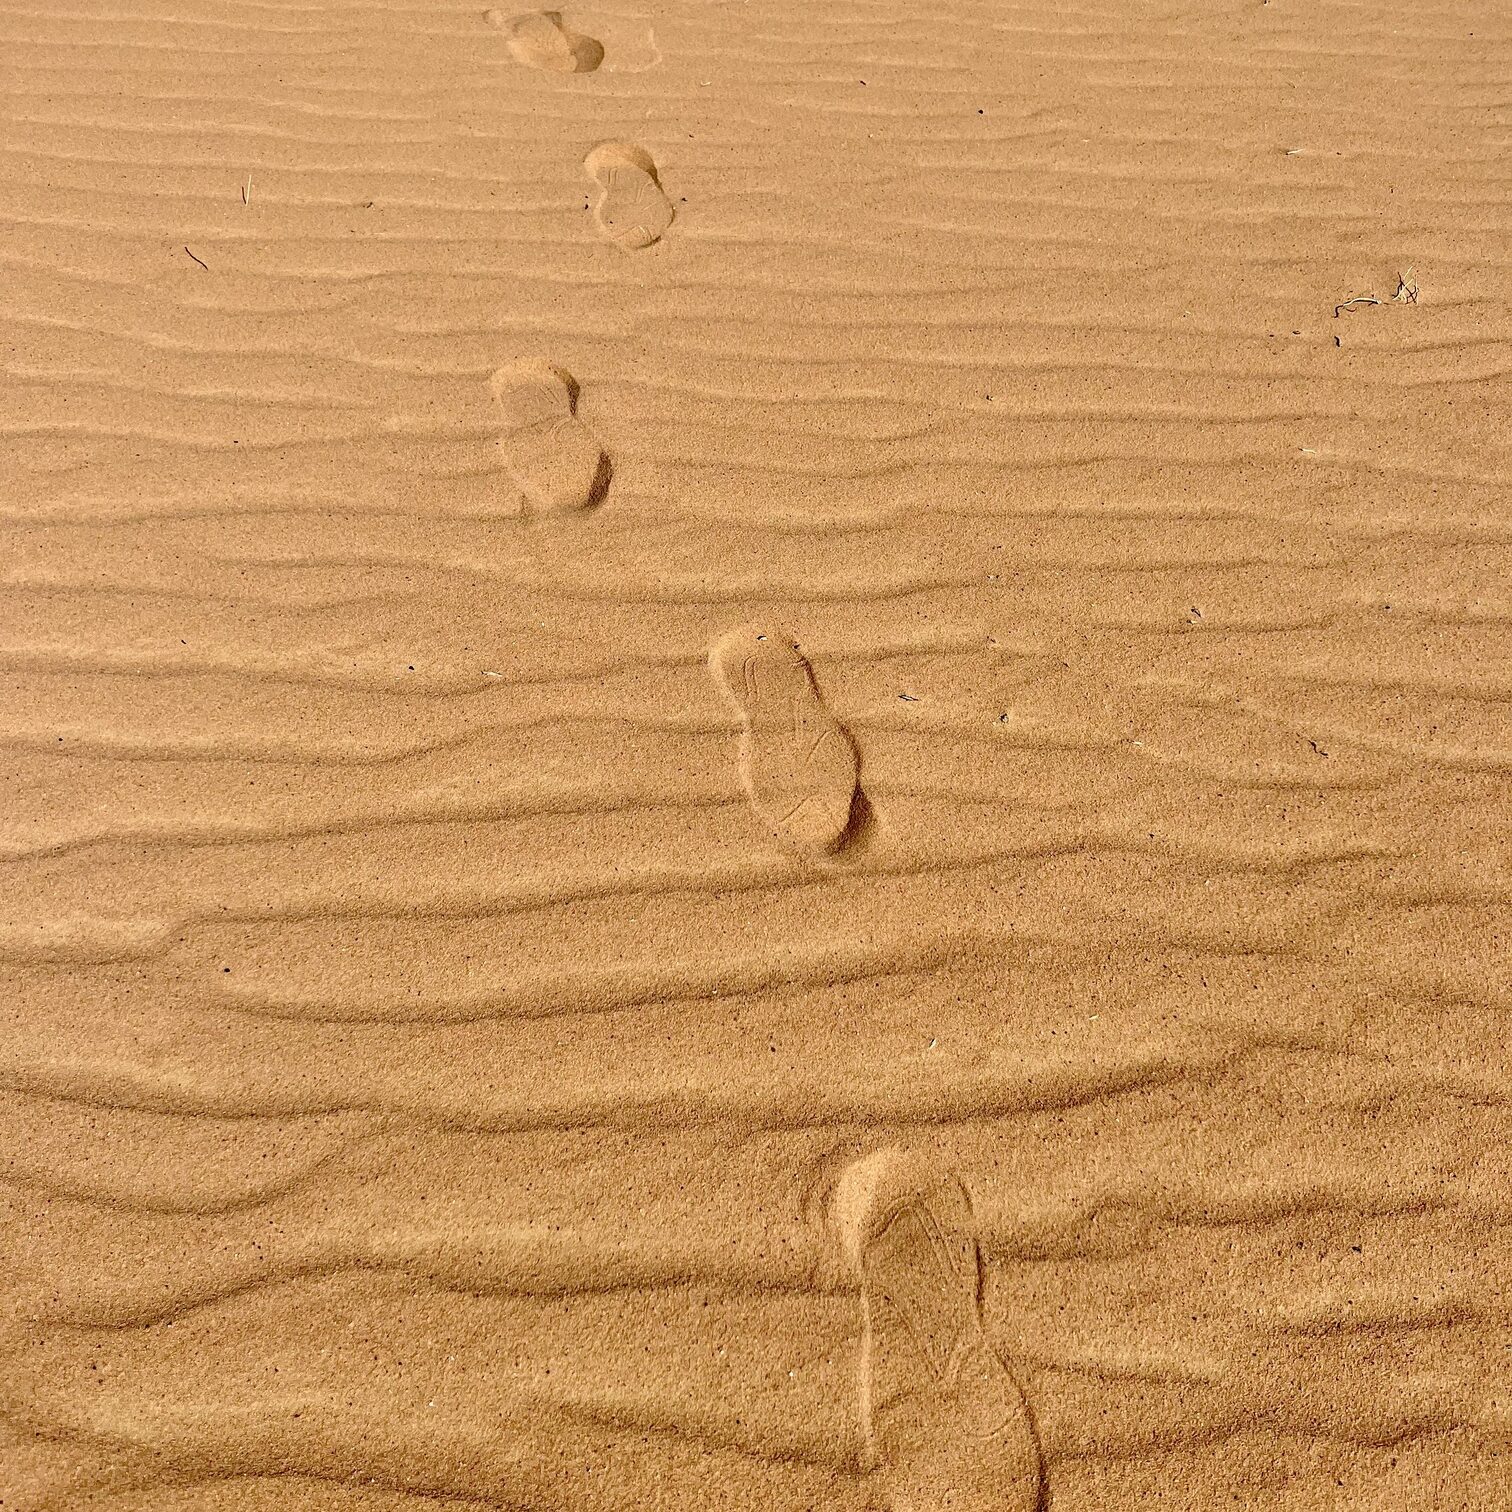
{"points": [[756, 757]]}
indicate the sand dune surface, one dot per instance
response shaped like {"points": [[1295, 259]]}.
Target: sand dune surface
{"points": [[755, 757]]}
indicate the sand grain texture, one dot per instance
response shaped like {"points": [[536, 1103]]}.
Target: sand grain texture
{"points": [[450, 1035]]}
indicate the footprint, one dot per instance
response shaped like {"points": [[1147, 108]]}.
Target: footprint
{"points": [[540, 40], [796, 760], [549, 452], [633, 211], [946, 1425]]}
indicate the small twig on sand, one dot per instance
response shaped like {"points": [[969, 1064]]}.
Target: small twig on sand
{"points": [[247, 191], [1407, 288], [1358, 299], [199, 260]]}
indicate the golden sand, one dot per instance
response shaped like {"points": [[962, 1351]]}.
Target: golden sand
{"points": [[756, 757]]}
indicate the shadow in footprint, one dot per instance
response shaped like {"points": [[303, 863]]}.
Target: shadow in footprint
{"points": [[552, 457], [539, 39], [861, 829], [632, 211], [598, 490]]}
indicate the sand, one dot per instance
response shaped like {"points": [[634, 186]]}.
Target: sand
{"points": [[756, 757]]}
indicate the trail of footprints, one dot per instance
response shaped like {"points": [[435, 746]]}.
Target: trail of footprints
{"points": [[633, 210], [797, 763], [944, 1422]]}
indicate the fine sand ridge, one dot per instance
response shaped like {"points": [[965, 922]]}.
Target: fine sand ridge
{"points": [[898, 905]]}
